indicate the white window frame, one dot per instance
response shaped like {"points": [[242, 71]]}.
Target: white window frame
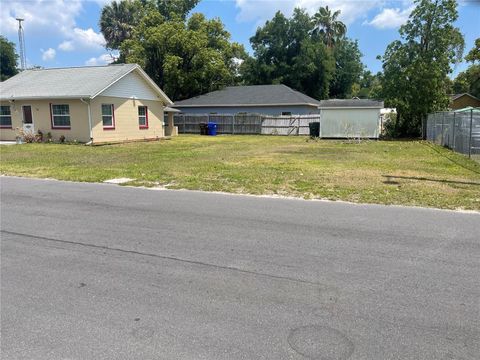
{"points": [[145, 117], [6, 116], [112, 116], [54, 115]]}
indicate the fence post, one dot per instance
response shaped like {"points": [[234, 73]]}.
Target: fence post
{"points": [[233, 124], [443, 131], [424, 126], [434, 120], [184, 125], [453, 131], [470, 138]]}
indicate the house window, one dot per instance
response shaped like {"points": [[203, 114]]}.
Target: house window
{"points": [[60, 116], [143, 117], [5, 117], [288, 113], [108, 117]]}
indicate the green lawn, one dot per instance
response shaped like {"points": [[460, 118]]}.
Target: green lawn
{"points": [[386, 172]]}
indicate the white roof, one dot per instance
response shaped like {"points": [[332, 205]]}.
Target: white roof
{"points": [[70, 83]]}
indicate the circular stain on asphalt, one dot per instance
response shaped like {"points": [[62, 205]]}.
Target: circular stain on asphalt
{"points": [[320, 342]]}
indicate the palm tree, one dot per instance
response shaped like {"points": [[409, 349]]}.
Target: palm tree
{"points": [[327, 25], [117, 22]]}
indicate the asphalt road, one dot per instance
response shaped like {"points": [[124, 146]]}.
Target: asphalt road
{"points": [[92, 271]]}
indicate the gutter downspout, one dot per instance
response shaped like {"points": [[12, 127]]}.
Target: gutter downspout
{"points": [[89, 120]]}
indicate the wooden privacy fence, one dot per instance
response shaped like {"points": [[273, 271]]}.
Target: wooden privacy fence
{"points": [[247, 123]]}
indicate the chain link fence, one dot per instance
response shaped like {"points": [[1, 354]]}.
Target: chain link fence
{"points": [[457, 130]]}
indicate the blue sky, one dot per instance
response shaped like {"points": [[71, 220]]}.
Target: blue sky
{"points": [[65, 32]]}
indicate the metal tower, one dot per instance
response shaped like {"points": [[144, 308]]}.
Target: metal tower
{"points": [[21, 45]]}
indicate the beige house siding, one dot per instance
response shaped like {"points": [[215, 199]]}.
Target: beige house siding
{"points": [[41, 119], [126, 119]]}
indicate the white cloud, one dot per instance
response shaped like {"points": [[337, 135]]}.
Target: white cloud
{"points": [[101, 60], [251, 10], [41, 16], [66, 45], [390, 18], [51, 19], [48, 54], [83, 39]]}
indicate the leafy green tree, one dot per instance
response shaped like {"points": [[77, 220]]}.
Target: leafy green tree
{"points": [[468, 81], [474, 54], [328, 26], [414, 71], [287, 51], [472, 76], [312, 69], [348, 68], [8, 59], [119, 18], [369, 85], [184, 58], [460, 84], [172, 9], [270, 45]]}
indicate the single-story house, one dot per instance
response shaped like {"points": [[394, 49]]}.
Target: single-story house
{"points": [[340, 118], [460, 101], [258, 99], [89, 104]]}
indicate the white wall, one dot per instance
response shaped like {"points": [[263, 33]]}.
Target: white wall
{"points": [[341, 123], [131, 85]]}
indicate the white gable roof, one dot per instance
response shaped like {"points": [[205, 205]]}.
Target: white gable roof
{"points": [[71, 83]]}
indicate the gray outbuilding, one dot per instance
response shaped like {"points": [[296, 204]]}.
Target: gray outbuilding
{"points": [[341, 118]]}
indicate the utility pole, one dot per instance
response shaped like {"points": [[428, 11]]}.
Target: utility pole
{"points": [[21, 45]]}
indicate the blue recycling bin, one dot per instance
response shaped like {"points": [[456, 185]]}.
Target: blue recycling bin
{"points": [[212, 128]]}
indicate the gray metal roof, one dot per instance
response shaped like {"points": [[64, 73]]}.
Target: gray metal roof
{"points": [[254, 95], [72, 82], [351, 103]]}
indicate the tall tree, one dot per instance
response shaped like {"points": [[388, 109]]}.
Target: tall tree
{"points": [[468, 81], [118, 20], [287, 51], [474, 54], [171, 9], [415, 70], [348, 68], [328, 26], [271, 48], [8, 59], [184, 58]]}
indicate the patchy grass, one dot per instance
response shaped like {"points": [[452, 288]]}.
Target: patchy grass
{"points": [[386, 172]]}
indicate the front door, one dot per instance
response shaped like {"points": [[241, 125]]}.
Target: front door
{"points": [[27, 119]]}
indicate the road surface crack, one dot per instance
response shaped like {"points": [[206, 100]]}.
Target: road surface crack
{"points": [[164, 257]]}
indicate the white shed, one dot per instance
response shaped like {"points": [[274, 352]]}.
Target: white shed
{"points": [[350, 118]]}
